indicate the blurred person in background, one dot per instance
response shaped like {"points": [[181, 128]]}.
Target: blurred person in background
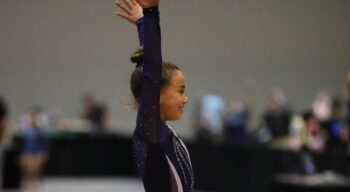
{"points": [[210, 114], [339, 133], [277, 116], [3, 118], [34, 147], [327, 111], [3, 126], [315, 138], [347, 117], [42, 118], [95, 114], [322, 107], [306, 133], [237, 122], [348, 99]]}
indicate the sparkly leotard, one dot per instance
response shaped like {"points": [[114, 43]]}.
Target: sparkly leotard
{"points": [[160, 155]]}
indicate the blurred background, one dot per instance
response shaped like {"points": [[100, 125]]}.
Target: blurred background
{"points": [[268, 82]]}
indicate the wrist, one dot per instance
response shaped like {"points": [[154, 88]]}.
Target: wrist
{"points": [[153, 9], [139, 21]]}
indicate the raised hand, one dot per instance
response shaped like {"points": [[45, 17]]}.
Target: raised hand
{"points": [[132, 10], [148, 3]]}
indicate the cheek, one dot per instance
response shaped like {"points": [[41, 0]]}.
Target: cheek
{"points": [[172, 104]]}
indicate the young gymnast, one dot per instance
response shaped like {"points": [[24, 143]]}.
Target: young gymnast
{"points": [[158, 88]]}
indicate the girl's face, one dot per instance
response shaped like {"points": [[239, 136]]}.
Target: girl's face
{"points": [[173, 98]]}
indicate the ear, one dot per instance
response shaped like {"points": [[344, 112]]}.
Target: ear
{"points": [[163, 93]]}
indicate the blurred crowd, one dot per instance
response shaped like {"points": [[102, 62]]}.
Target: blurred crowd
{"points": [[36, 126], [323, 126]]}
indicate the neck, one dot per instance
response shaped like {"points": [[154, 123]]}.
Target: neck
{"points": [[162, 119]]}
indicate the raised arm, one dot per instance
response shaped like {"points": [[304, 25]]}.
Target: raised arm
{"points": [[148, 118]]}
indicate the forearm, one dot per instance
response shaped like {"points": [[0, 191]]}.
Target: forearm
{"points": [[140, 26], [152, 42]]}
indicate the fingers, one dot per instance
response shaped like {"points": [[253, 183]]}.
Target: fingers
{"points": [[121, 6], [133, 2], [131, 10], [122, 15], [128, 4]]}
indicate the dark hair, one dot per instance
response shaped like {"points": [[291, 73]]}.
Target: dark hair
{"points": [[3, 114], [136, 75], [3, 109]]}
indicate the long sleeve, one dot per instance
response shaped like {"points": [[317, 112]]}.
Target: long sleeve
{"points": [[148, 117], [140, 24]]}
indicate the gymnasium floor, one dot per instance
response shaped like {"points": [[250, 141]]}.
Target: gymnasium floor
{"points": [[85, 185]]}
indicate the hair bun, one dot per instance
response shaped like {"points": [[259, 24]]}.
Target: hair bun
{"points": [[137, 56]]}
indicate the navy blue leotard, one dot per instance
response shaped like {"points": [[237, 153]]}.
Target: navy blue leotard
{"points": [[160, 155]]}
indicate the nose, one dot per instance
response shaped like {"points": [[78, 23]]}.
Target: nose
{"points": [[186, 99]]}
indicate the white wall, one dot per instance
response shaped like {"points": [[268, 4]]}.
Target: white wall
{"points": [[53, 51]]}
